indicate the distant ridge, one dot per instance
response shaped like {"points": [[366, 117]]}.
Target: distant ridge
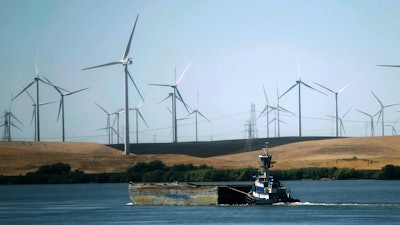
{"points": [[212, 148]]}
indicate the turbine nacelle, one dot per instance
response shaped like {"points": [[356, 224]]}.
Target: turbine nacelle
{"points": [[127, 61]]}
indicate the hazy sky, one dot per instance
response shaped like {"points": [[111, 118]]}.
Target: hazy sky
{"points": [[235, 47]]}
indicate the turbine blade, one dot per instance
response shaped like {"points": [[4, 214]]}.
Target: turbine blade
{"points": [[265, 94], [165, 98], [389, 65], [342, 89], [23, 90], [128, 46], [16, 119], [30, 96], [288, 90], [46, 103], [262, 112], [377, 99], [71, 93], [162, 85], [102, 108], [33, 114], [36, 66], [59, 109], [168, 110], [141, 116], [203, 116], [311, 87], [102, 65], [363, 113], [183, 73], [298, 71], [386, 106], [181, 99], [137, 89], [346, 113], [324, 87]]}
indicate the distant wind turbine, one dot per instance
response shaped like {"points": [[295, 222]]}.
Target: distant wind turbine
{"points": [[372, 120], [35, 106], [36, 80], [267, 109], [336, 100], [61, 107], [108, 127], [175, 95], [341, 123], [299, 83], [197, 112], [138, 114], [125, 62], [381, 112]]}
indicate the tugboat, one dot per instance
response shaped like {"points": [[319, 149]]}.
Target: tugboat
{"points": [[266, 190]]}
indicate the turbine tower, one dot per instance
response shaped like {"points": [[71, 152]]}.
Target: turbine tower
{"points": [[299, 83], [196, 112], [175, 95], [381, 112], [61, 107], [372, 120], [336, 101], [125, 62], [36, 80]]}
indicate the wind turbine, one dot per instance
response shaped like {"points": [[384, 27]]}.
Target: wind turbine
{"points": [[175, 95], [372, 120], [341, 122], [116, 113], [108, 127], [381, 112], [36, 80], [197, 112], [267, 109], [35, 106], [389, 65], [138, 114], [125, 62], [61, 107], [299, 83], [336, 100]]}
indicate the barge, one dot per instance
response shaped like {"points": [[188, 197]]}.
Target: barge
{"points": [[264, 190]]}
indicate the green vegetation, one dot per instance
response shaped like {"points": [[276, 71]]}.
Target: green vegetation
{"points": [[157, 171]]}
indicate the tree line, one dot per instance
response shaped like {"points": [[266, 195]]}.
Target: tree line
{"points": [[157, 171]]}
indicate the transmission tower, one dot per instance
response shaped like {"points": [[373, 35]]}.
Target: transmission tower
{"points": [[7, 127], [251, 129]]}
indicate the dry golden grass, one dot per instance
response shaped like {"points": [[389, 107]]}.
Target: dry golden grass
{"points": [[361, 153]]}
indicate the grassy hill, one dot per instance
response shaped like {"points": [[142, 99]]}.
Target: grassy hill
{"points": [[360, 153]]}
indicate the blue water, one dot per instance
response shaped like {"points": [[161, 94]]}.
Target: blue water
{"points": [[323, 202]]}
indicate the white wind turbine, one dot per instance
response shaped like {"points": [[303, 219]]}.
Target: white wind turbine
{"points": [[36, 80], [341, 122], [35, 106], [125, 62], [175, 95], [336, 101], [197, 112], [267, 109], [381, 112], [372, 120], [108, 127], [299, 83], [138, 114], [61, 107], [7, 124]]}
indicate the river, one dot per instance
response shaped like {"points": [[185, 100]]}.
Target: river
{"points": [[322, 202]]}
